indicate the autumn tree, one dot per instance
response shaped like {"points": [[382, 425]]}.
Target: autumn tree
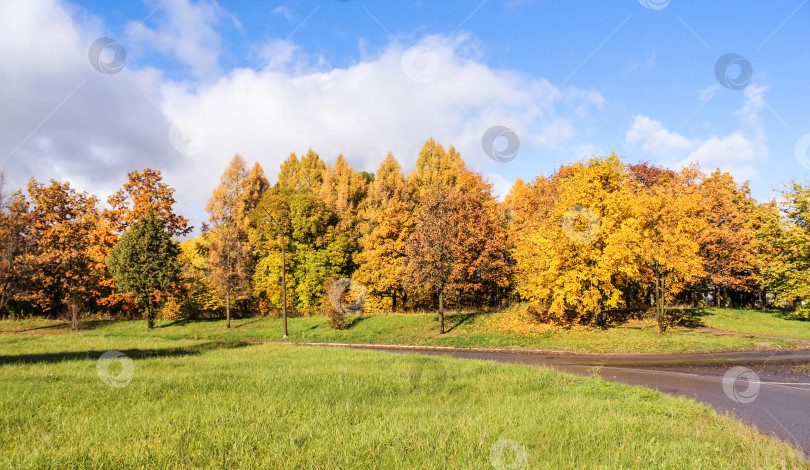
{"points": [[435, 166], [14, 241], [230, 257], [62, 276], [193, 262], [526, 205], [307, 172], [668, 211], [575, 263], [386, 222], [144, 263], [145, 191], [343, 189], [785, 236], [477, 238], [430, 250], [728, 245]]}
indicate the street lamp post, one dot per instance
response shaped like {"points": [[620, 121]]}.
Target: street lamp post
{"points": [[284, 284]]}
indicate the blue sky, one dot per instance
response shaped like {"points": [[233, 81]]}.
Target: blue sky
{"points": [[365, 77]]}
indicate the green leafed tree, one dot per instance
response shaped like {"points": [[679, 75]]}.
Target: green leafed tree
{"points": [[785, 237], [144, 263], [315, 251]]}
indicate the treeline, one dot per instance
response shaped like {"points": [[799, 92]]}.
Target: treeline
{"points": [[593, 241]]}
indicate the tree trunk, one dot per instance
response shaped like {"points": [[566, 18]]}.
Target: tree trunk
{"points": [[149, 321], [284, 284], [441, 312], [660, 307], [228, 307], [394, 302], [74, 317]]}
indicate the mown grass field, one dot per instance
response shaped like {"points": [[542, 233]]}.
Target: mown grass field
{"points": [[770, 322], [501, 329], [232, 404]]}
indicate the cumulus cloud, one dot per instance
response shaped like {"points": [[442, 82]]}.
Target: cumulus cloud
{"points": [[92, 128], [739, 152], [185, 32], [63, 119]]}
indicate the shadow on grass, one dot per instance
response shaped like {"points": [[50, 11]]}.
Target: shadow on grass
{"points": [[465, 317], [187, 321], [356, 320], [789, 314], [192, 350], [55, 326], [689, 317], [252, 320]]}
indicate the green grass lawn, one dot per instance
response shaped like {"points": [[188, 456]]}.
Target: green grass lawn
{"points": [[470, 330], [206, 403], [770, 322]]}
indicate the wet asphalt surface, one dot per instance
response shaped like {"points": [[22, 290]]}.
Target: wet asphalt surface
{"points": [[767, 390]]}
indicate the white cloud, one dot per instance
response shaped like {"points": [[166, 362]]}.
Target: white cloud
{"points": [[184, 31], [657, 141], [738, 152], [117, 123], [63, 119]]}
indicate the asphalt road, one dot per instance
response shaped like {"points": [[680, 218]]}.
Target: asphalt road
{"points": [[767, 390]]}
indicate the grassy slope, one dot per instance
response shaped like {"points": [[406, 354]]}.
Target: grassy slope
{"points": [[224, 403], [484, 330], [771, 322]]}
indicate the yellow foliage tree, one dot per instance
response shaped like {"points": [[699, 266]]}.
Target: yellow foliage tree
{"points": [[669, 214], [575, 263], [387, 221]]}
